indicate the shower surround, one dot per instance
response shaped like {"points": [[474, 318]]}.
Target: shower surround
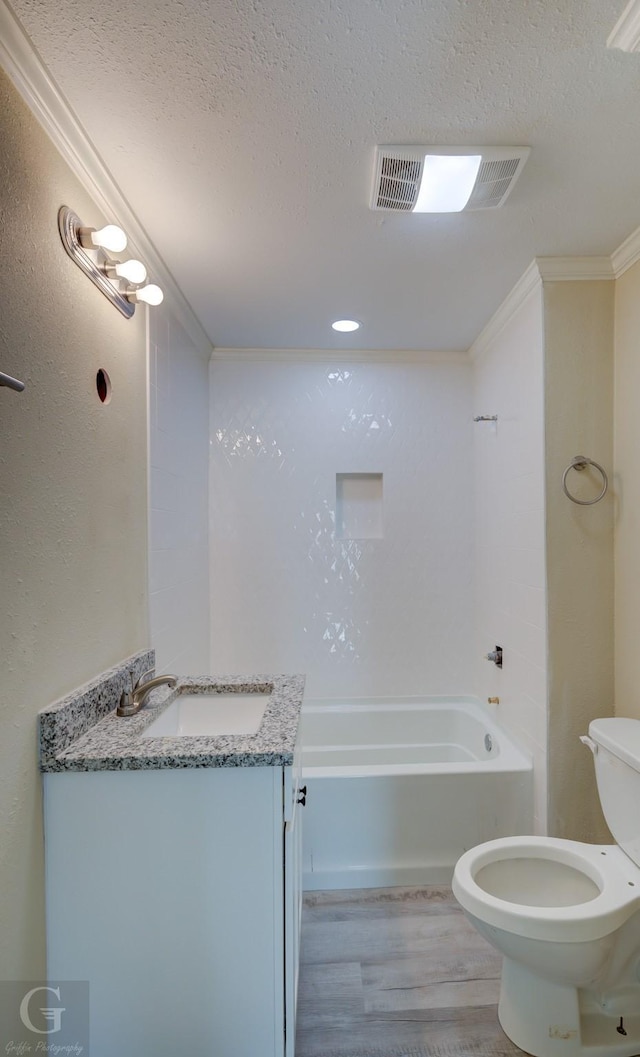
{"points": [[389, 612]]}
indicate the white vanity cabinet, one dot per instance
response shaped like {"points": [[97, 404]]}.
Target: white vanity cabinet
{"points": [[176, 893]]}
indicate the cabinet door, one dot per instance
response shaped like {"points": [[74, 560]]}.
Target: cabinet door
{"points": [[292, 918], [165, 892]]}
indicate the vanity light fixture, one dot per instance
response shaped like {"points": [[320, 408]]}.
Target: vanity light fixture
{"points": [[88, 248], [345, 326]]}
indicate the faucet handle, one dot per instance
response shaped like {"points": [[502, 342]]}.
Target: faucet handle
{"points": [[126, 700], [495, 656], [143, 678]]}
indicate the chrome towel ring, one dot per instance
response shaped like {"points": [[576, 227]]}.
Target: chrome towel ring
{"points": [[580, 462]]}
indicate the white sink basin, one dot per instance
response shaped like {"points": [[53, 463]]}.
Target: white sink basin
{"points": [[209, 715]]}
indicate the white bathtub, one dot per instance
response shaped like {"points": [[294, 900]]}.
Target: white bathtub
{"points": [[399, 788]]}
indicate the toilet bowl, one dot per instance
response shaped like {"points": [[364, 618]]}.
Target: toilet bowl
{"points": [[566, 917]]}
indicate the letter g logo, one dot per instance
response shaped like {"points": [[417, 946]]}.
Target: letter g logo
{"points": [[53, 1015]]}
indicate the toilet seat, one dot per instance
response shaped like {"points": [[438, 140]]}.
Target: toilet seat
{"points": [[604, 882]]}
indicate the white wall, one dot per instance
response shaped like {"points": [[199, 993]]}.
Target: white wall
{"points": [[510, 597], [178, 487], [381, 616], [627, 490]]}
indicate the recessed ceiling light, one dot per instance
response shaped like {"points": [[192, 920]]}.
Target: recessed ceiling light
{"points": [[345, 325]]}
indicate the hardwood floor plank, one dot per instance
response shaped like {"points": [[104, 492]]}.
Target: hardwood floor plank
{"points": [[396, 894], [477, 1035], [475, 962], [450, 995], [331, 980], [374, 902], [328, 993], [357, 939], [396, 973]]}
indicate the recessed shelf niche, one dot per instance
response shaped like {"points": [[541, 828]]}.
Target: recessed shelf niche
{"points": [[359, 506]]}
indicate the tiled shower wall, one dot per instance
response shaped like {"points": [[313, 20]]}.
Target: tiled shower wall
{"points": [[385, 615], [178, 496], [510, 603]]}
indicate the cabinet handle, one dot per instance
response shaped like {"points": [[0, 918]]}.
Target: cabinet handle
{"points": [[302, 799]]}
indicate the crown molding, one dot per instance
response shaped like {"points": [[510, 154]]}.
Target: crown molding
{"points": [[42, 95], [344, 356], [552, 269], [570, 269], [627, 254], [525, 286], [626, 32]]}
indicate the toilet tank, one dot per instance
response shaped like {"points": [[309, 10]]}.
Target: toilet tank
{"points": [[617, 762]]}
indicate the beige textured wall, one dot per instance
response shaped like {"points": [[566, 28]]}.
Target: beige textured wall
{"points": [[627, 484], [578, 420], [73, 544]]}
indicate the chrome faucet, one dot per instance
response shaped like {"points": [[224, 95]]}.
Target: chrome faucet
{"points": [[131, 701]]}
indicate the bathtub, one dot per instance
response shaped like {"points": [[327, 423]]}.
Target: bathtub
{"points": [[399, 788]]}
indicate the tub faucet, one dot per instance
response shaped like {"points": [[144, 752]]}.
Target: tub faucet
{"points": [[131, 701], [495, 656]]}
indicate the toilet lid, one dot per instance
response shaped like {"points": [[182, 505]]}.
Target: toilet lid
{"points": [[620, 736]]}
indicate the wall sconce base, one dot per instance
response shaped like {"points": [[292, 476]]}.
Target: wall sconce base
{"points": [[69, 225]]}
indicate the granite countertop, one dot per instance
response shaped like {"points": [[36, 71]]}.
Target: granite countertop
{"points": [[115, 743]]}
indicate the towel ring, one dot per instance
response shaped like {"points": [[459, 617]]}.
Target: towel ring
{"points": [[580, 462]]}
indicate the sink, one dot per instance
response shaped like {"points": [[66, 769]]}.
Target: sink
{"points": [[209, 715]]}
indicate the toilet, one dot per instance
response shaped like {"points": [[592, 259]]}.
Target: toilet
{"points": [[566, 917]]}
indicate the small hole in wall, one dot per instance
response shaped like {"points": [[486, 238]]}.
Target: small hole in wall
{"points": [[103, 385]]}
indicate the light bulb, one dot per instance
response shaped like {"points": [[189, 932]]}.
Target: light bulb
{"points": [[132, 270], [345, 326], [150, 294], [110, 238]]}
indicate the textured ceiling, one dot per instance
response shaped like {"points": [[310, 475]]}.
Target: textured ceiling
{"points": [[242, 132]]}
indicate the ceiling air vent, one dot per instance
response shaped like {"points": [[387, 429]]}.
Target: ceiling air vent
{"points": [[398, 175], [398, 181]]}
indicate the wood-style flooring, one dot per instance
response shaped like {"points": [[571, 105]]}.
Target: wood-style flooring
{"points": [[396, 972]]}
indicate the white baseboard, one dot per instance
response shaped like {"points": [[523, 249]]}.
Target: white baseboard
{"points": [[377, 877]]}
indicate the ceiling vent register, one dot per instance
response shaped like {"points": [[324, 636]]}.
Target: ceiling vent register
{"points": [[398, 175]]}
